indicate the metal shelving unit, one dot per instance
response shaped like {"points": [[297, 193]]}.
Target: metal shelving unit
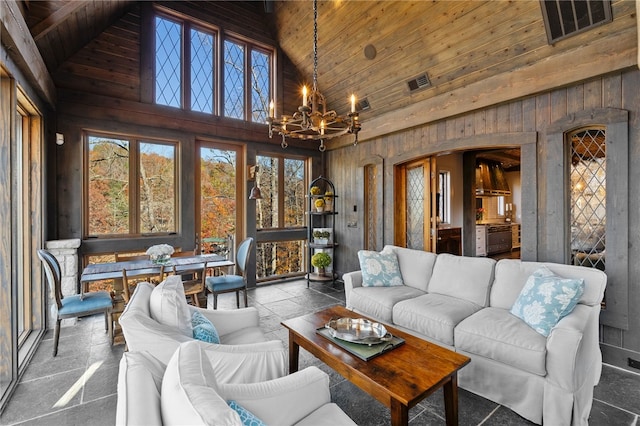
{"points": [[321, 220]]}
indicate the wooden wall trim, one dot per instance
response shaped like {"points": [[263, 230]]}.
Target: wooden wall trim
{"points": [[25, 52]]}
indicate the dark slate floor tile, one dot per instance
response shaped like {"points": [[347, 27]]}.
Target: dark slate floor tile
{"points": [[619, 388], [604, 414], [101, 412], [503, 416]]}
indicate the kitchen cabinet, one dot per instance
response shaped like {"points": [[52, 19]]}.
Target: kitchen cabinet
{"points": [[481, 240], [449, 241], [515, 235]]}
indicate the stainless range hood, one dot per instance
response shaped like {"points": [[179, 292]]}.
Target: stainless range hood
{"points": [[490, 179]]}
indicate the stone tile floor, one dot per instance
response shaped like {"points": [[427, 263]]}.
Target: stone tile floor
{"points": [[78, 387]]}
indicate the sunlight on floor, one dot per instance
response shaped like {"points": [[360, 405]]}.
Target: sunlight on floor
{"points": [[73, 390]]}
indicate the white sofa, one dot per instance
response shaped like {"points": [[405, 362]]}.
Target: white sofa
{"points": [[188, 392], [243, 356], [464, 303]]}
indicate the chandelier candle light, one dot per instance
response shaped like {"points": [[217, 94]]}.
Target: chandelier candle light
{"points": [[312, 121]]}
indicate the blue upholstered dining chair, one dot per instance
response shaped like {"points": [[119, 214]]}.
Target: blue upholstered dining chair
{"points": [[77, 305], [229, 283]]}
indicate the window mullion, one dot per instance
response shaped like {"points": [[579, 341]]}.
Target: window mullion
{"points": [[134, 182], [186, 65], [248, 90]]}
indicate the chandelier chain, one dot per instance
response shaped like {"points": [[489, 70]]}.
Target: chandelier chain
{"points": [[315, 45]]}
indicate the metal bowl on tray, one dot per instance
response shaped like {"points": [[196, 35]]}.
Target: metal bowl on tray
{"points": [[358, 330]]}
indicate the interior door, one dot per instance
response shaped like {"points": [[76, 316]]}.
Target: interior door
{"points": [[416, 189]]}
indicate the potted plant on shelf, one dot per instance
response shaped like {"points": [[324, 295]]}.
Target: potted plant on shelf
{"points": [[321, 260], [321, 236], [319, 203], [328, 201], [315, 190]]}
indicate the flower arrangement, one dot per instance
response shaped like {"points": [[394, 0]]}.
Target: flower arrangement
{"points": [[315, 190], [328, 196], [319, 203], [479, 212], [160, 252]]}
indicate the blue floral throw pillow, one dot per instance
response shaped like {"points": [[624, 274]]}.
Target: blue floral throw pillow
{"points": [[203, 329], [546, 298], [379, 269], [247, 417]]}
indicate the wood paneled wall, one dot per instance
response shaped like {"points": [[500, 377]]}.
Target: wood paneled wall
{"points": [[530, 115]]}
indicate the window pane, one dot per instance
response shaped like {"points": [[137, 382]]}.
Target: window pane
{"points": [[267, 181], [218, 197], [588, 174], [202, 54], [279, 258], [294, 192], [233, 80], [157, 188], [108, 186], [260, 80], [415, 208], [168, 60]]}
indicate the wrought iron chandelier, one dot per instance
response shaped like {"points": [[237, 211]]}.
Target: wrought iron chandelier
{"points": [[312, 121]]}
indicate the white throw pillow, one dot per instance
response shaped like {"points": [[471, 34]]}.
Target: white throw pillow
{"points": [[189, 391], [168, 305]]}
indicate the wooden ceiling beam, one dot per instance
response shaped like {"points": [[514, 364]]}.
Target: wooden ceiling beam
{"points": [[23, 50], [43, 27]]}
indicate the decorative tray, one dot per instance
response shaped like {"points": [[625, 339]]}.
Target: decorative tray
{"points": [[358, 330]]}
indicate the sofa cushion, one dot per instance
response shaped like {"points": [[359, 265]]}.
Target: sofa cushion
{"points": [[416, 266], [378, 301], [467, 278], [379, 269], [139, 387], [496, 334], [189, 391], [546, 298], [203, 329], [433, 315], [168, 305]]}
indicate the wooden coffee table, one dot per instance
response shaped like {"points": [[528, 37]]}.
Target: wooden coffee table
{"points": [[399, 378]]}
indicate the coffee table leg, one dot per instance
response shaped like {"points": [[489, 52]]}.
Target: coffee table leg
{"points": [[294, 351], [451, 400], [399, 413]]}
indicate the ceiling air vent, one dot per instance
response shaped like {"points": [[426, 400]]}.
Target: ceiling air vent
{"points": [[363, 105], [563, 18], [418, 83]]}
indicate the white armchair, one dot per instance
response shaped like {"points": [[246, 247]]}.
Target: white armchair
{"points": [[243, 356], [192, 394]]}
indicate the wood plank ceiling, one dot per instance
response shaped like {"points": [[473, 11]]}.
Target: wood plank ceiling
{"points": [[456, 43]]}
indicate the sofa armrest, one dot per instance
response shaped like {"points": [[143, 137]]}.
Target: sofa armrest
{"points": [[282, 401], [232, 320], [249, 363], [351, 281], [235, 363], [573, 352]]}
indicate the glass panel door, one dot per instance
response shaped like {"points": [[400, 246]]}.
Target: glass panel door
{"points": [[220, 194]]}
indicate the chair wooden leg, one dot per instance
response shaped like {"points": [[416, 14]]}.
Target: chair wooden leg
{"points": [[215, 301], [245, 298], [56, 337], [195, 299], [238, 298]]}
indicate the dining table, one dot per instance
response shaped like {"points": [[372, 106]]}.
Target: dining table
{"points": [[113, 270]]}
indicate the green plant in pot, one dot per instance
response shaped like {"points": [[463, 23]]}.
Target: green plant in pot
{"points": [[321, 260], [321, 237]]}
